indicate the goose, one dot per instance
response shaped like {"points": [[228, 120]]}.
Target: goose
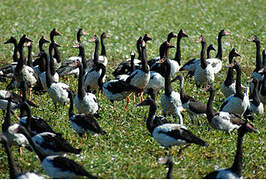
{"points": [[93, 74], [224, 121], [259, 64], [53, 144], [125, 66], [82, 123], [216, 63], [262, 85], [209, 49], [86, 102], [9, 69], [14, 171], [169, 163], [68, 66], [10, 131], [176, 62], [204, 73], [124, 77], [170, 100], [140, 77], [57, 166], [235, 171], [239, 102], [229, 86], [193, 106], [39, 64], [56, 55], [168, 134], [54, 74], [34, 124], [102, 57]]}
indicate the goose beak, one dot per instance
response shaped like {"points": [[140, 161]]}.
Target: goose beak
{"points": [[76, 45], [57, 33], [93, 39], [261, 70], [84, 33], [226, 33], [161, 60], [230, 65]]}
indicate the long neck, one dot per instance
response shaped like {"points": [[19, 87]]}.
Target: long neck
{"points": [[29, 117], [145, 67], [21, 59], [255, 95], [139, 49], [162, 50], [7, 122], [96, 55], [29, 63], [52, 65], [15, 53], [103, 51], [230, 73], [182, 91], [238, 81], [151, 117], [132, 65], [178, 51], [203, 62], [170, 170], [71, 108], [100, 79], [237, 165], [81, 90], [210, 112], [167, 82], [56, 54], [219, 54], [83, 58], [13, 168], [49, 79], [258, 57]]}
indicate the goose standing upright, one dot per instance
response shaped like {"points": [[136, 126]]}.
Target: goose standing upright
{"points": [[57, 166], [239, 102], [39, 64], [86, 102], [209, 49], [56, 56], [235, 172], [170, 100], [102, 57], [229, 85], [14, 172], [262, 85]]}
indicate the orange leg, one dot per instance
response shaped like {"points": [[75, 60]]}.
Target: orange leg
{"points": [[127, 103], [30, 93], [141, 96]]}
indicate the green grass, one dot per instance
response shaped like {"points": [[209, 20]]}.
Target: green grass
{"points": [[128, 151]]}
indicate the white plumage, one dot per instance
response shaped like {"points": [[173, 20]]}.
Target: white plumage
{"points": [[222, 122], [236, 105], [58, 92], [171, 104], [91, 78], [42, 77], [156, 82], [29, 175], [203, 76], [228, 90], [15, 138], [226, 174], [140, 78], [87, 105]]}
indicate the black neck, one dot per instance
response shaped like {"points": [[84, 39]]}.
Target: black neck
{"points": [[258, 57], [21, 58], [82, 55], [138, 47], [237, 165], [145, 67], [255, 95], [49, 79], [14, 171], [167, 81], [52, 65], [15, 53], [81, 90], [219, 54], [56, 53], [103, 51], [170, 170], [78, 37], [100, 80], [132, 65], [263, 88], [96, 55], [178, 50], [208, 52], [162, 50], [203, 62], [151, 117], [210, 112], [238, 81], [71, 108], [7, 122], [230, 73], [29, 63]]}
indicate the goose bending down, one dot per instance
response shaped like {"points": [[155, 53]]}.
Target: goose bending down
{"points": [[86, 102], [262, 85], [229, 85], [14, 171], [170, 100], [176, 62], [93, 74], [239, 102], [169, 163], [259, 64], [53, 144], [82, 123], [9, 69], [57, 166], [68, 66], [216, 63], [225, 121], [235, 171], [168, 134], [193, 106]]}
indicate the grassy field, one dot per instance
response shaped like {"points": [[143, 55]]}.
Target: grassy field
{"points": [[127, 151]]}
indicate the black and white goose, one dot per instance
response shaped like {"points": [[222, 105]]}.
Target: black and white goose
{"points": [[262, 85], [216, 63], [14, 171], [193, 106], [168, 134], [68, 66], [169, 163], [82, 123], [235, 171], [57, 166], [54, 74], [86, 102], [102, 57], [93, 74], [56, 56], [239, 102], [209, 49], [229, 86], [9, 69], [259, 64], [170, 100], [224, 121]]}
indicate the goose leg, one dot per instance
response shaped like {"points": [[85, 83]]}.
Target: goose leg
{"points": [[134, 98], [127, 103], [182, 150], [20, 151], [30, 92]]}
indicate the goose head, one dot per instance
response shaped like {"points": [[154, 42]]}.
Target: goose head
{"points": [[247, 127], [171, 35], [104, 35], [146, 102], [147, 38], [94, 39], [11, 40], [210, 47], [234, 53], [80, 33], [254, 39], [42, 41], [53, 33], [182, 33], [223, 33]]}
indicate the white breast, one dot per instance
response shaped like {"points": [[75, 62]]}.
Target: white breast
{"points": [[58, 92], [171, 104], [229, 90], [140, 79], [42, 77], [87, 105], [222, 122], [91, 79], [156, 82]]}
